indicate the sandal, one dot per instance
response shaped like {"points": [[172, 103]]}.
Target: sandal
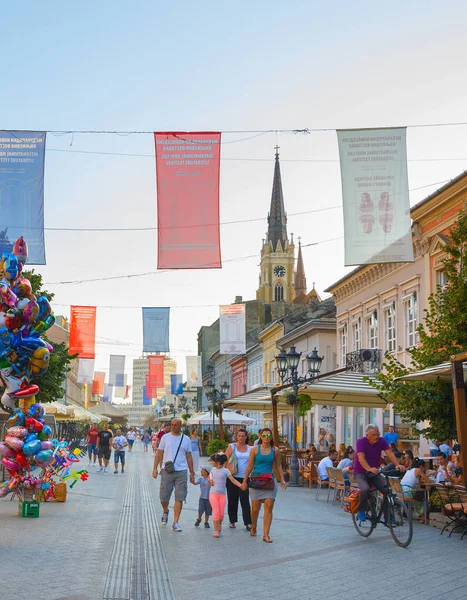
{"points": [[268, 540], [216, 534], [249, 527], [253, 532], [232, 526]]}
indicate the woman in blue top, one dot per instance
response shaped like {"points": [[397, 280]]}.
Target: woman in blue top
{"points": [[195, 448], [263, 459]]}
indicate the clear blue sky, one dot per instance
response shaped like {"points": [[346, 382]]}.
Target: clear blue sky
{"points": [[152, 66]]}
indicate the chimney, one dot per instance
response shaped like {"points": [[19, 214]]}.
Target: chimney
{"points": [[238, 299]]}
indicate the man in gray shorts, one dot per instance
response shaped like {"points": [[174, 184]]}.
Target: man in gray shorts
{"points": [[175, 448]]}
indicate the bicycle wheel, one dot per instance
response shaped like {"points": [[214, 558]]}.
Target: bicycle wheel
{"points": [[364, 528], [401, 520]]}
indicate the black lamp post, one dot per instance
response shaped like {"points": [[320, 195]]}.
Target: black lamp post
{"points": [[288, 363]]}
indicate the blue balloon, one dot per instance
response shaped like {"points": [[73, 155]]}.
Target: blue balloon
{"points": [[47, 430], [31, 438], [36, 411], [44, 456], [17, 419], [32, 448]]}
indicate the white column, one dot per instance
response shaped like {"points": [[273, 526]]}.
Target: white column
{"points": [[340, 415], [308, 427]]}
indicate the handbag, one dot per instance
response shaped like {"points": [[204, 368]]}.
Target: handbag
{"points": [[170, 465], [265, 481], [232, 463], [351, 502]]}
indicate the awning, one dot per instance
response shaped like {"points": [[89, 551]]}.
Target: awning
{"points": [[107, 410], [228, 418], [442, 371], [344, 389]]}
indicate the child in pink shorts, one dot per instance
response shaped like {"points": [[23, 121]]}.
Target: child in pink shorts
{"points": [[217, 478]]}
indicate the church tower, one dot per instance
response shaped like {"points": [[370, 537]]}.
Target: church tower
{"points": [[277, 277]]}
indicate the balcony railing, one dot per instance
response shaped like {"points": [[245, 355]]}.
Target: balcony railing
{"points": [[364, 361]]}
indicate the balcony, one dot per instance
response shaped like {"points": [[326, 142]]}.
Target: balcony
{"points": [[364, 361]]}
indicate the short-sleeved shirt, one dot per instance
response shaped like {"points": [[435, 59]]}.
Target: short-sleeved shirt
{"points": [[169, 444], [391, 438], [161, 433], [119, 441], [131, 436], [219, 478], [92, 435], [104, 438], [205, 487], [372, 453]]}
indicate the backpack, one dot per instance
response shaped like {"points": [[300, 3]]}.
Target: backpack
{"points": [[351, 502]]}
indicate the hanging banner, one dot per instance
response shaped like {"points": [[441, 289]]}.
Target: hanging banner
{"points": [[85, 370], [375, 193], [120, 391], [188, 167], [107, 395], [232, 329], [117, 370], [83, 331], [147, 400], [193, 371], [151, 391], [156, 371], [98, 383], [127, 391], [22, 192], [156, 329], [176, 384]]}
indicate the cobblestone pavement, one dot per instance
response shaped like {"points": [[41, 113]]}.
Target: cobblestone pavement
{"points": [[106, 542]]}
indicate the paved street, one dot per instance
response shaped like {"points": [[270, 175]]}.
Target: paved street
{"points": [[106, 542]]}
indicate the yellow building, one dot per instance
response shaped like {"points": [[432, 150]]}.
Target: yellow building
{"points": [[268, 338]]}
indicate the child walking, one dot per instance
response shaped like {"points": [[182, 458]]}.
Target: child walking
{"points": [[204, 504], [218, 478]]}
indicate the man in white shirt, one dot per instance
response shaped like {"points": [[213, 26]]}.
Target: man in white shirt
{"points": [[174, 448], [327, 461], [119, 443]]}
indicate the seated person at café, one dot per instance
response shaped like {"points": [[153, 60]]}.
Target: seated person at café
{"points": [[327, 461], [455, 471], [346, 464], [442, 475], [411, 481], [341, 452], [310, 451], [446, 448], [408, 458], [391, 470]]}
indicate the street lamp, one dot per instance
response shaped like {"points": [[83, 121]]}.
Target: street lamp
{"points": [[288, 362]]}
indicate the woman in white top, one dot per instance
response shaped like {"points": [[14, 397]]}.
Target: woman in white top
{"points": [[234, 494], [411, 481]]}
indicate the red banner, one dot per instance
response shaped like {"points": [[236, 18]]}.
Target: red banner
{"points": [[98, 383], [151, 391], [156, 371], [83, 331], [188, 166]]}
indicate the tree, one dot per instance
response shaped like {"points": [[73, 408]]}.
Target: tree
{"points": [[52, 383], [443, 333]]}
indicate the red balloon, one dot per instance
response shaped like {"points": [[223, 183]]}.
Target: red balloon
{"points": [[34, 425], [22, 460]]}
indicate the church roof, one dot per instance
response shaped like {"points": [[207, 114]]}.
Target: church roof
{"points": [[277, 219], [300, 278]]}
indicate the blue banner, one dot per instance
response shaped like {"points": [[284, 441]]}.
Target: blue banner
{"points": [[146, 401], [107, 396], [156, 329], [22, 192], [117, 370], [176, 384]]}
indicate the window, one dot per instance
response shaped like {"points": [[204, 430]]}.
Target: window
{"points": [[411, 336], [343, 343], [373, 330], [357, 334], [278, 293], [390, 320], [441, 279]]}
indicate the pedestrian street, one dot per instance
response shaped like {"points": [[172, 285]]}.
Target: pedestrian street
{"points": [[106, 542]]}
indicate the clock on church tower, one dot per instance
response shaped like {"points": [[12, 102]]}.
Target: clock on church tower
{"points": [[279, 271]]}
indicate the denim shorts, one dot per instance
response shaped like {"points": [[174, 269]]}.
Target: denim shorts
{"points": [[92, 449], [119, 454], [204, 507]]}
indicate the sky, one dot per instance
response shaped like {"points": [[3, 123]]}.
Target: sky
{"points": [[232, 67]]}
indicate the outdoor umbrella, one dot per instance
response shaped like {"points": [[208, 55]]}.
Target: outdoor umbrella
{"points": [[107, 410], [228, 418], [57, 408]]}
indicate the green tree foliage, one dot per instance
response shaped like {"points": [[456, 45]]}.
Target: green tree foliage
{"points": [[443, 333]]}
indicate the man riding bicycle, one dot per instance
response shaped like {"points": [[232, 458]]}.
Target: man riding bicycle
{"points": [[366, 467]]}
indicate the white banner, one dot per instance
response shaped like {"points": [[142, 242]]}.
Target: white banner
{"points": [[120, 391], [117, 370], [375, 194], [232, 329], [193, 371], [85, 370]]}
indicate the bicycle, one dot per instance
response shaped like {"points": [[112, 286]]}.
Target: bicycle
{"points": [[400, 518]]}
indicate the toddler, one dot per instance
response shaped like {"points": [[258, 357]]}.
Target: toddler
{"points": [[204, 506]]}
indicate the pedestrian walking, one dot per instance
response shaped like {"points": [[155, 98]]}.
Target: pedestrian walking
{"points": [[218, 477], [146, 439], [174, 454], [91, 441], [195, 448], [104, 448], [154, 442], [131, 435], [119, 443], [204, 506], [263, 485], [241, 452], [162, 432]]}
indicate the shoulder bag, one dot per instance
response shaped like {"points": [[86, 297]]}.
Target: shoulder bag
{"points": [[232, 463]]}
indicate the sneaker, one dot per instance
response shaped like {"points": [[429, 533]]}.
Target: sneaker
{"points": [[123, 471], [197, 522], [361, 516], [106, 470], [100, 469], [176, 527], [89, 464], [93, 464], [115, 472], [165, 518], [207, 526]]}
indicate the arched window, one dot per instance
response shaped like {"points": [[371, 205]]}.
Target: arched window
{"points": [[278, 292]]}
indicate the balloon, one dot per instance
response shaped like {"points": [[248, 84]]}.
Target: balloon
{"points": [[76, 451], [44, 456], [44, 308], [42, 436], [14, 443], [31, 438], [14, 319], [40, 361], [17, 418], [20, 250], [47, 430], [7, 296], [21, 304], [36, 411], [41, 325], [32, 448], [45, 485], [34, 425], [19, 432], [30, 312], [10, 267], [2, 318], [10, 464], [22, 460], [6, 450], [46, 445], [3, 492]]}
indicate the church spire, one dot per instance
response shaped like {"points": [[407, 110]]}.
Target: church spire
{"points": [[300, 278], [277, 219]]}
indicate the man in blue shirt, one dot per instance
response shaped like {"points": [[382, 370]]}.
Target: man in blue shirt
{"points": [[391, 436]]}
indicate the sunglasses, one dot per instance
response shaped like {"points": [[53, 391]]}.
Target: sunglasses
{"points": [[268, 435]]}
